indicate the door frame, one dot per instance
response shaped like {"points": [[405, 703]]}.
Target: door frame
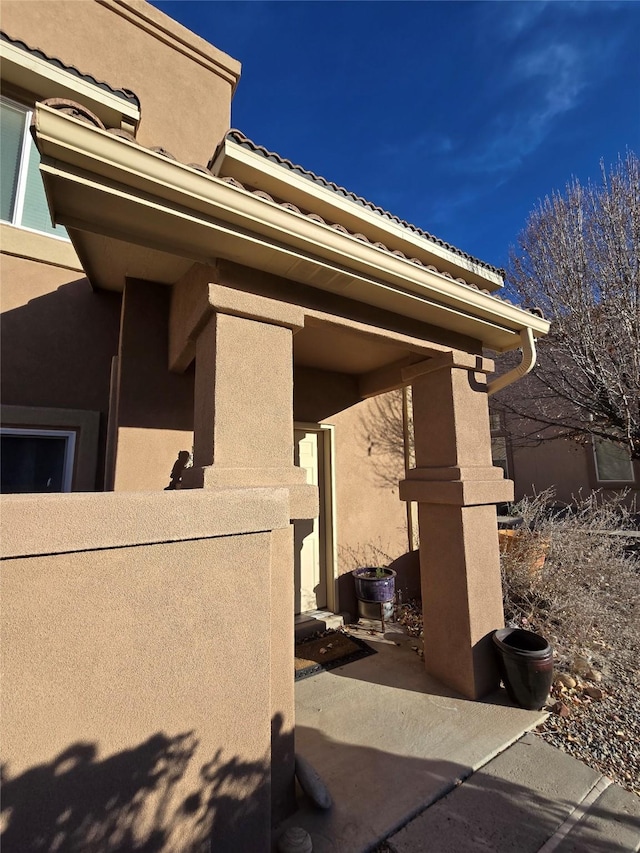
{"points": [[326, 436]]}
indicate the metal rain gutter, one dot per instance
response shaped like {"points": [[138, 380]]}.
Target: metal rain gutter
{"points": [[529, 356]]}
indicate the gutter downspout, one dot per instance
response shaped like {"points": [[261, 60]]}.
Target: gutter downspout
{"points": [[528, 347]]}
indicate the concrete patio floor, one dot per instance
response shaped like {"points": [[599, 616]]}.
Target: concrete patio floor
{"points": [[388, 741]]}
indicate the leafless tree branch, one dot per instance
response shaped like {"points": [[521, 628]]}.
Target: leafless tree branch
{"points": [[578, 259]]}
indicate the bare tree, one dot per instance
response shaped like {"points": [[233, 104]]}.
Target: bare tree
{"points": [[578, 260]]}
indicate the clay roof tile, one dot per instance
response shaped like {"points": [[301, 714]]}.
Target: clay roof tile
{"points": [[239, 138]]}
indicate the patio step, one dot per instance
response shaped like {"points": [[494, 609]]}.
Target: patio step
{"points": [[314, 621]]}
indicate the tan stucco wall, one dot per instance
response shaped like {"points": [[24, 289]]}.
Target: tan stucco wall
{"points": [[58, 340], [185, 102], [560, 464], [58, 337], [136, 699], [369, 510], [564, 466], [154, 406]]}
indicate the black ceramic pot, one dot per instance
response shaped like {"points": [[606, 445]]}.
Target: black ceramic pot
{"points": [[525, 661]]}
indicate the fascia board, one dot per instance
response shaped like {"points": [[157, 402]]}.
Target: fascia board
{"points": [[124, 217], [45, 80], [253, 169], [184, 192]]}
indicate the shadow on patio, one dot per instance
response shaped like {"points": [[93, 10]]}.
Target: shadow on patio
{"points": [[388, 741]]}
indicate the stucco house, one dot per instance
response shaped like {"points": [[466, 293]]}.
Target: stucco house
{"points": [[536, 459], [197, 293]]}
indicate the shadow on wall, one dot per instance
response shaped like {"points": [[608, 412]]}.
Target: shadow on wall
{"points": [[57, 348], [128, 801], [381, 431], [57, 351], [322, 394]]}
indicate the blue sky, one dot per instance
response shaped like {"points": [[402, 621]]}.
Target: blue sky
{"points": [[457, 116]]}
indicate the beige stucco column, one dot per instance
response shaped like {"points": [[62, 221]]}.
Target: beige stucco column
{"points": [[243, 437], [456, 488], [243, 407], [243, 397]]}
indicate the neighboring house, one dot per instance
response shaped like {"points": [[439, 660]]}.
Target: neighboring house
{"points": [[572, 469], [199, 293]]}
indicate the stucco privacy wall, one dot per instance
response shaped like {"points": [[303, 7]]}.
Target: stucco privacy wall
{"points": [[148, 706], [184, 84]]}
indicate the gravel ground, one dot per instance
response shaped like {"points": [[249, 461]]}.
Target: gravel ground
{"points": [[603, 733]]}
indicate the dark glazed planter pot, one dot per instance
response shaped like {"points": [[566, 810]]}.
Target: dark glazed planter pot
{"points": [[525, 661], [374, 589]]}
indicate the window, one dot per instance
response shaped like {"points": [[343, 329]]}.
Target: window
{"points": [[499, 452], [613, 462], [22, 197], [36, 460]]}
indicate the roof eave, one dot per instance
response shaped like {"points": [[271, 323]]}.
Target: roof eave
{"points": [[26, 71], [100, 184], [260, 172]]}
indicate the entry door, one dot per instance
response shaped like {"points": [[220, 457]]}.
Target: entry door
{"points": [[309, 550]]}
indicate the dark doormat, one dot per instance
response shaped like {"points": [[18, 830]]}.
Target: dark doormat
{"points": [[328, 652]]}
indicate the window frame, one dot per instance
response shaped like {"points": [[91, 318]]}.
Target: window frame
{"points": [[23, 174], [69, 449], [625, 482], [500, 432]]}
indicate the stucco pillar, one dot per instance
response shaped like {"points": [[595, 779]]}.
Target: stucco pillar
{"points": [[243, 436], [243, 396], [456, 488], [243, 404]]}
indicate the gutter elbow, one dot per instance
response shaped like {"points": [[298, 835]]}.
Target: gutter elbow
{"points": [[528, 347]]}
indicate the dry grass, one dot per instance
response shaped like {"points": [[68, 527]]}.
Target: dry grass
{"points": [[366, 554], [586, 596]]}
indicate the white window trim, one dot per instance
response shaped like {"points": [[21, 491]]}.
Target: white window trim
{"points": [[69, 447], [599, 479], [23, 173]]}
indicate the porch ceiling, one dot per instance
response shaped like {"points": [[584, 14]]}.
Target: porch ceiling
{"points": [[343, 351]]}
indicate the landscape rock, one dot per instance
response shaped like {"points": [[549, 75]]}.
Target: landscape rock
{"points": [[593, 675], [580, 665], [312, 784], [594, 692], [566, 680], [295, 840]]}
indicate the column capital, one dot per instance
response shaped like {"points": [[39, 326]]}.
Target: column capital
{"points": [[448, 360], [199, 294]]}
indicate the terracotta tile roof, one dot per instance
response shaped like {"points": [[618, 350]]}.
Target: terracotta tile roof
{"points": [[240, 139], [82, 113], [126, 94]]}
